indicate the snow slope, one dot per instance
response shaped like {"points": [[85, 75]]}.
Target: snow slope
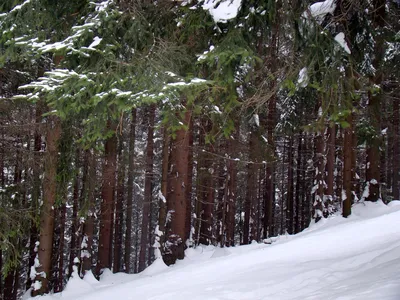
{"points": [[354, 258]]}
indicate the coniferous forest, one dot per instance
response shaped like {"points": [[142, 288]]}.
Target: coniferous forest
{"points": [[131, 130]]}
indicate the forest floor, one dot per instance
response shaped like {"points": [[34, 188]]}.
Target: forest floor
{"points": [[354, 258]]}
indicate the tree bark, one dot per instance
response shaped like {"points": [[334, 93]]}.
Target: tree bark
{"points": [[86, 252], [290, 188], [347, 169], [396, 150], [119, 213], [129, 201], [144, 240], [330, 168], [107, 195], [47, 213], [176, 196]]}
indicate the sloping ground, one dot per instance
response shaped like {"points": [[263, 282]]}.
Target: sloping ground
{"points": [[354, 258]]}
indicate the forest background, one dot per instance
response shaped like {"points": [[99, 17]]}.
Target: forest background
{"points": [[134, 129]]}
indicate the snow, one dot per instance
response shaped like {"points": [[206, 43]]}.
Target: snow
{"points": [[95, 43], [222, 11], [342, 42], [336, 258], [303, 78], [320, 9]]}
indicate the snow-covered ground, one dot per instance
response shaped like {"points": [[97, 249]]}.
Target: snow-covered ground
{"points": [[354, 258]]}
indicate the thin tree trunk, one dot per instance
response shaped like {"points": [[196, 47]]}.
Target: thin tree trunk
{"points": [[88, 229], [330, 168], [119, 214], [347, 171], [162, 216], [290, 188], [144, 240], [299, 184], [35, 191], [74, 250], [129, 201], [396, 150]]}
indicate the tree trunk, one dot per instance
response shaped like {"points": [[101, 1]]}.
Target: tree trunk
{"points": [[74, 251], [176, 196], [107, 195], [144, 240], [86, 254], [129, 201], [47, 214], [231, 194], [396, 150], [290, 187], [119, 213], [299, 184], [162, 216], [347, 168], [330, 168], [35, 190]]}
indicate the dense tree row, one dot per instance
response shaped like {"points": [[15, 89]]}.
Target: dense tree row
{"points": [[131, 130]]}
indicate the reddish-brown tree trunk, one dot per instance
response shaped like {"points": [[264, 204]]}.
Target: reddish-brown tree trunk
{"points": [[107, 204], [47, 213], [176, 196]]}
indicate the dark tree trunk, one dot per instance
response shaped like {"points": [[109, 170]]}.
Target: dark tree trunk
{"points": [[396, 150], [88, 229], [374, 106], [35, 191], [119, 213], [107, 204], [162, 217], [207, 186], [231, 194], [189, 187], [129, 201], [144, 240], [347, 169], [330, 168], [318, 188], [290, 188], [75, 221], [299, 184]]}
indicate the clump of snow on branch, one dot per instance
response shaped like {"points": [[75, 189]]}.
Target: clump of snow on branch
{"points": [[222, 11], [340, 39]]}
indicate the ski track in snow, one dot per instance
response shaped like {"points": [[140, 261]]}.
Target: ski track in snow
{"points": [[343, 259]]}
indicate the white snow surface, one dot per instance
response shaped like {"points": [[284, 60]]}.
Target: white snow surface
{"points": [[337, 258]]}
